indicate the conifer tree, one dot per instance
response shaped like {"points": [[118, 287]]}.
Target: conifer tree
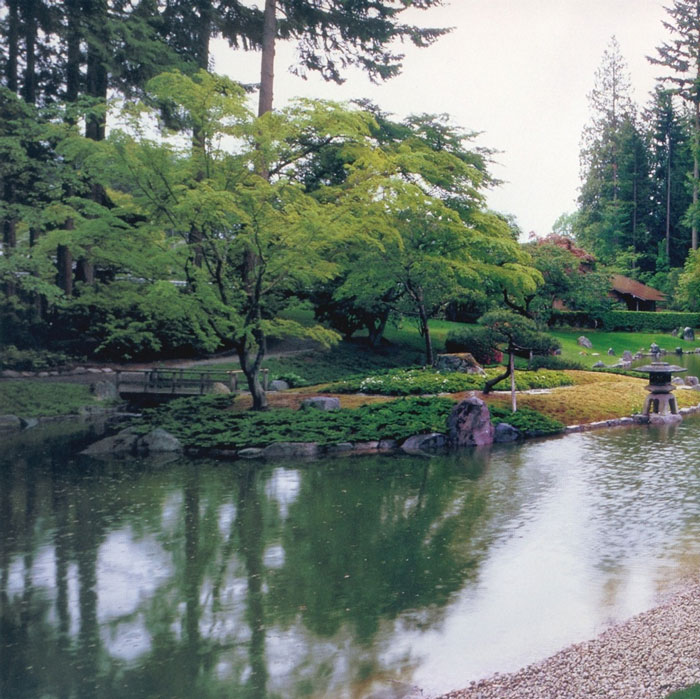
{"points": [[681, 56]]}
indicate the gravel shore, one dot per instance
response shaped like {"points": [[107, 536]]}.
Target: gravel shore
{"points": [[646, 657]]}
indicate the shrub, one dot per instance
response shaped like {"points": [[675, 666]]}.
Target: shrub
{"points": [[30, 360], [205, 422], [528, 421], [550, 361], [637, 321], [475, 339], [404, 382]]}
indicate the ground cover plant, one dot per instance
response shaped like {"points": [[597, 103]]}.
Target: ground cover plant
{"points": [[402, 382], [529, 421], [29, 398], [210, 421]]}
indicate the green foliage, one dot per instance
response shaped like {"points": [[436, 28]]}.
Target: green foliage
{"points": [[475, 339], [517, 332], [205, 422], [31, 360], [340, 361], [689, 693], [404, 382], [550, 361], [28, 398], [636, 321], [528, 421]]}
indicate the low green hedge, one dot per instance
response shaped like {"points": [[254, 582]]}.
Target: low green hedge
{"points": [[406, 382], [638, 321], [205, 422], [527, 420]]}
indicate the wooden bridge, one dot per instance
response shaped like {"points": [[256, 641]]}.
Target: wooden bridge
{"points": [[163, 384]]}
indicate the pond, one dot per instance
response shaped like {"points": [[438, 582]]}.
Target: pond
{"points": [[335, 578]]}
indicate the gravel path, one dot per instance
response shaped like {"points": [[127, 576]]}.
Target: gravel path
{"points": [[646, 657]]}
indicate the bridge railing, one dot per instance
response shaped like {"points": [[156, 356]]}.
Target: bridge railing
{"points": [[179, 382]]}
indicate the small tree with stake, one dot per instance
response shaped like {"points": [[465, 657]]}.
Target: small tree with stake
{"points": [[518, 334]]}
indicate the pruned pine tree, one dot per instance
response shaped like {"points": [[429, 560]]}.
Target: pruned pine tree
{"points": [[681, 56]]}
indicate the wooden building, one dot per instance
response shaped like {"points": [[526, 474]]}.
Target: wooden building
{"points": [[635, 295]]}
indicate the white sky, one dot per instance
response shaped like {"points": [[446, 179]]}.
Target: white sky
{"points": [[517, 70]]}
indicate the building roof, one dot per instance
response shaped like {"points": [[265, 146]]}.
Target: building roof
{"points": [[625, 285]]}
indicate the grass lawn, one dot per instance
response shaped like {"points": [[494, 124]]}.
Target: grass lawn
{"points": [[41, 399], [619, 341]]}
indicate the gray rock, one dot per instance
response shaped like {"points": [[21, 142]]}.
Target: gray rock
{"points": [[627, 356], [321, 403], [692, 381], [458, 362], [503, 432], [666, 419], [94, 370], [675, 332], [251, 453], [219, 388], [679, 350], [611, 352], [104, 390], [654, 348], [387, 445], [583, 341], [10, 423], [159, 441], [29, 422], [424, 442], [283, 450], [10, 374], [278, 385], [689, 334], [43, 374], [79, 370], [469, 424], [339, 448], [678, 381], [599, 365], [372, 445], [123, 442]]}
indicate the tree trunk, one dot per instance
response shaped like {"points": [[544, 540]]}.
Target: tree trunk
{"points": [[12, 44], [696, 145], [251, 368], [64, 263], [488, 386], [30, 22], [425, 331], [73, 57], [668, 200], [267, 62], [511, 369]]}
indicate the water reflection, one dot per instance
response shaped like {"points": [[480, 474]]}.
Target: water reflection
{"points": [[329, 579]]}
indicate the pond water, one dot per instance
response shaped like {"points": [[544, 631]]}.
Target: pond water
{"points": [[156, 578]]}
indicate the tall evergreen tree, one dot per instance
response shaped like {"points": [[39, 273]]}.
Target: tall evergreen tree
{"points": [[670, 162], [681, 55]]}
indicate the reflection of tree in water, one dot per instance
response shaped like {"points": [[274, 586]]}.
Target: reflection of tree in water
{"points": [[361, 543]]}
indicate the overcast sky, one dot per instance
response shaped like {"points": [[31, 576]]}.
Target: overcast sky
{"points": [[517, 70]]}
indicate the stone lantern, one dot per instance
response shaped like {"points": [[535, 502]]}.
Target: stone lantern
{"points": [[660, 400]]}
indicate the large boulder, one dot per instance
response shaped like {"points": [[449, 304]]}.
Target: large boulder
{"points": [[469, 424], [504, 432], [689, 334], [123, 442], [583, 341], [104, 390], [424, 442], [278, 385], [219, 388], [10, 423], [627, 356], [321, 403], [458, 362], [159, 441]]}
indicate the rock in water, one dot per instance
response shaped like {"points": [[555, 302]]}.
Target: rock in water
{"points": [[469, 424]]}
